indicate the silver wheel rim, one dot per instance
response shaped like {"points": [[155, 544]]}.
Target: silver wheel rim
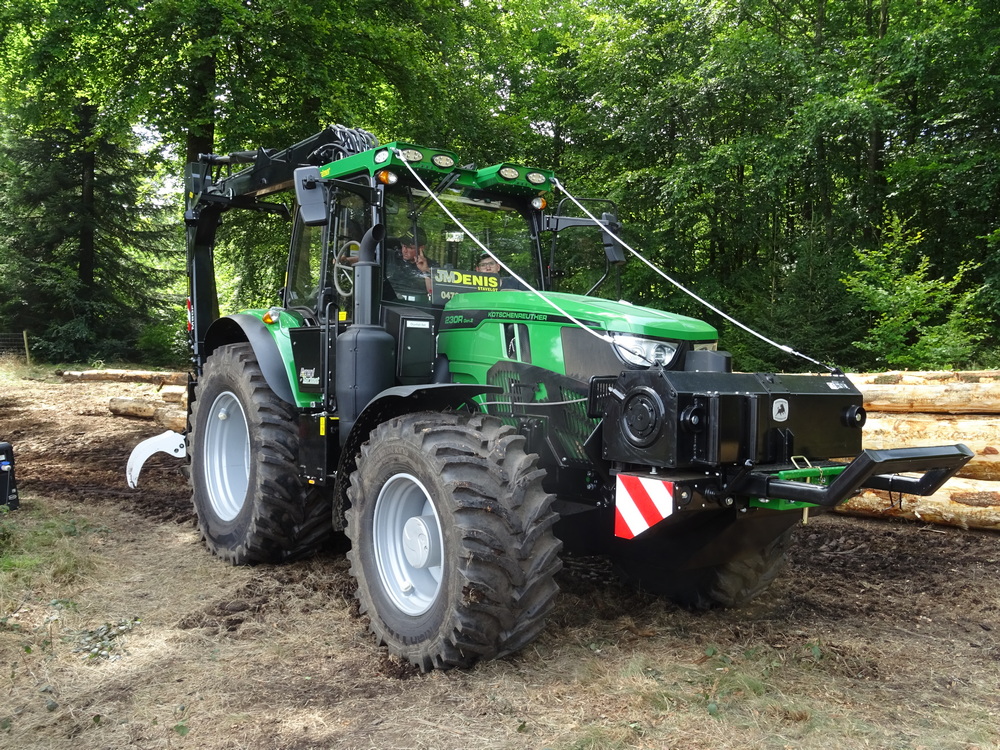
{"points": [[226, 453], [408, 544]]}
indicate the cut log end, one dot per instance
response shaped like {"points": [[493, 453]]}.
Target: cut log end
{"points": [[171, 418]]}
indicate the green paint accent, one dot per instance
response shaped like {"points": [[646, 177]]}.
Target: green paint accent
{"points": [[471, 333], [600, 314], [366, 161], [821, 473], [279, 332], [491, 177]]}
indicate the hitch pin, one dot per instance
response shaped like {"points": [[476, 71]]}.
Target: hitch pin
{"points": [[804, 460], [808, 465]]}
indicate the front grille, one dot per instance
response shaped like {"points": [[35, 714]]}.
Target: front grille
{"points": [[600, 390]]}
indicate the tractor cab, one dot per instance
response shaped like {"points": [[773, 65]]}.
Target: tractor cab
{"points": [[440, 221]]}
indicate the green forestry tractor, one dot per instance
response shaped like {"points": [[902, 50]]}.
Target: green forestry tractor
{"points": [[464, 426]]}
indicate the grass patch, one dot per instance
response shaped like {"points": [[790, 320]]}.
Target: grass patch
{"points": [[39, 549], [14, 368], [605, 738]]}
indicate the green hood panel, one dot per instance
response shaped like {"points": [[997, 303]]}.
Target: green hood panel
{"points": [[479, 330], [606, 315]]}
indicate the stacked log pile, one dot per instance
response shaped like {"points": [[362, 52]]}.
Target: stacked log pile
{"points": [[168, 410], [935, 408]]}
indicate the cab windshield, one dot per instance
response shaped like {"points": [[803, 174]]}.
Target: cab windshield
{"points": [[429, 258]]}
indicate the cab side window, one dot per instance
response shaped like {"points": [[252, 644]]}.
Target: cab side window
{"points": [[305, 266]]}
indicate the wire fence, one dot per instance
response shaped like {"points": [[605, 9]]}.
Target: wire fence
{"points": [[15, 343]]}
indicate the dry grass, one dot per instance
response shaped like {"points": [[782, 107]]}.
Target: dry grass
{"points": [[895, 646], [14, 367], [272, 657]]}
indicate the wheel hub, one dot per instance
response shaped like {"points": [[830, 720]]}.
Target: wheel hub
{"points": [[407, 543], [421, 546], [225, 455]]}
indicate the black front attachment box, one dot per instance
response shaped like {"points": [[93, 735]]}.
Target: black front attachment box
{"points": [[689, 420], [8, 487]]}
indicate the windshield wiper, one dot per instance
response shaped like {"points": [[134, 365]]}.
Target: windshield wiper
{"points": [[446, 182]]}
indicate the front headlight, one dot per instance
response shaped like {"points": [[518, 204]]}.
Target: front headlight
{"points": [[642, 352]]}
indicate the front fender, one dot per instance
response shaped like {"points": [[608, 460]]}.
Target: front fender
{"points": [[391, 403], [245, 327], [403, 399]]}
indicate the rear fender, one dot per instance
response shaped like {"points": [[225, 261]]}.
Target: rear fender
{"points": [[244, 327]]}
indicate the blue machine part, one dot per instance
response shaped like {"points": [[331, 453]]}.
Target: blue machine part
{"points": [[8, 487]]}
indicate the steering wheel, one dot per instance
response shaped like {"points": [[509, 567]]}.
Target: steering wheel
{"points": [[344, 269]]}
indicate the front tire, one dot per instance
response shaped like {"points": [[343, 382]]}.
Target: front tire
{"points": [[250, 503], [451, 539]]}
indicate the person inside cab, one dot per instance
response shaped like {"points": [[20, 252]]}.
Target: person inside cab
{"points": [[408, 270], [488, 264]]}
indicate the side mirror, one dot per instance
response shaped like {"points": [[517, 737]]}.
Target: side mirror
{"points": [[311, 196], [612, 248]]}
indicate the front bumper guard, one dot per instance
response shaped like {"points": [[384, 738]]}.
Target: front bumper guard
{"points": [[872, 469], [644, 499]]}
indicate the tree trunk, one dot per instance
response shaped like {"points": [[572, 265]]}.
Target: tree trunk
{"points": [[87, 252], [174, 394], [980, 433], [884, 430], [201, 131], [951, 398], [171, 418], [131, 407], [125, 376], [923, 377]]}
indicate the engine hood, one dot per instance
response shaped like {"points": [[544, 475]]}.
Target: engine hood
{"points": [[606, 315]]}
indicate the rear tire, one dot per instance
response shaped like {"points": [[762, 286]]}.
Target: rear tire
{"points": [[451, 539], [250, 503]]}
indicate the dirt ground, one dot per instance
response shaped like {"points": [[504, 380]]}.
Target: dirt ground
{"points": [[879, 634]]}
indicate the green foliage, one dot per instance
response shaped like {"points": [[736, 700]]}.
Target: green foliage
{"points": [[920, 322], [756, 151], [164, 341], [251, 257], [82, 244]]}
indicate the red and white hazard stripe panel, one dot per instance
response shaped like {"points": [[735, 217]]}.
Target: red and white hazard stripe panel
{"points": [[641, 502]]}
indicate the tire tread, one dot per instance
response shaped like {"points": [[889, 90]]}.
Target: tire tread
{"points": [[289, 520], [507, 556]]}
